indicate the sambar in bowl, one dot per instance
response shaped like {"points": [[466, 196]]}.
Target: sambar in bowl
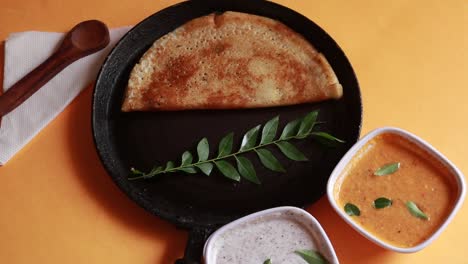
{"points": [[396, 189]]}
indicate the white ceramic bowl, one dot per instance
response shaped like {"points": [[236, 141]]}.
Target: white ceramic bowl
{"points": [[337, 172], [320, 238]]}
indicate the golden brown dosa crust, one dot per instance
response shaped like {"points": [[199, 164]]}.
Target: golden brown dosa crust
{"points": [[232, 60]]}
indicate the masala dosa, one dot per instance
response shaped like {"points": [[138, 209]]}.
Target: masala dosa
{"points": [[229, 60]]}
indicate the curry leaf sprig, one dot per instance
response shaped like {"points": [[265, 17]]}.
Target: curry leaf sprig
{"points": [[297, 129]]}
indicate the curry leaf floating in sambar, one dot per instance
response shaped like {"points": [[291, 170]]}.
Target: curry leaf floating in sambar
{"points": [[415, 211], [297, 129], [382, 202], [387, 169], [352, 209]]}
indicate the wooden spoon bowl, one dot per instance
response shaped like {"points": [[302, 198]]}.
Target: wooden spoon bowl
{"points": [[82, 40]]}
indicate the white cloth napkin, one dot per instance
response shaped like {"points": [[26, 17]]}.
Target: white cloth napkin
{"points": [[23, 52]]}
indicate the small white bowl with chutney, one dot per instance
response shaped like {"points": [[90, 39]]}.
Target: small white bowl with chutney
{"points": [[276, 234], [396, 190]]}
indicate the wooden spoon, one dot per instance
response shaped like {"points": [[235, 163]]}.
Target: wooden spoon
{"points": [[82, 40]]}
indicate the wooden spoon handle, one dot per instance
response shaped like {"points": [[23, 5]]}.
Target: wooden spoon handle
{"points": [[34, 80]]}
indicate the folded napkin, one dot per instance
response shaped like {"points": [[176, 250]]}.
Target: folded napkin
{"points": [[23, 52]]}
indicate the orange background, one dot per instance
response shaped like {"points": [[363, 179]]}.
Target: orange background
{"points": [[58, 205]]}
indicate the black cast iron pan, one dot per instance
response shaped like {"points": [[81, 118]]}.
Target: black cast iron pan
{"points": [[143, 139]]}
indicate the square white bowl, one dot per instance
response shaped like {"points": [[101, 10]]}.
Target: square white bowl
{"points": [[337, 172], [324, 245]]}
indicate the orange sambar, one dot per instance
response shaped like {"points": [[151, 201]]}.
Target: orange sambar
{"points": [[421, 178]]}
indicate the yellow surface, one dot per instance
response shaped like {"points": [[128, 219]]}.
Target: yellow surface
{"points": [[58, 205]]}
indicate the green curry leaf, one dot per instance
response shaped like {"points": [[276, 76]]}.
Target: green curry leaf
{"points": [[387, 169], [203, 149], [189, 169], [246, 169], [269, 161], [250, 138], [382, 202], [269, 131], [311, 256], [206, 168], [352, 209], [307, 124], [186, 158], [225, 145], [227, 170], [415, 211], [169, 165], [290, 151], [290, 129]]}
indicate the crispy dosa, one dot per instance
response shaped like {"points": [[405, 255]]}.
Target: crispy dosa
{"points": [[226, 61]]}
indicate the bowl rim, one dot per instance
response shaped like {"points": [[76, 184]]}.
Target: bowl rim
{"points": [[456, 173], [317, 229]]}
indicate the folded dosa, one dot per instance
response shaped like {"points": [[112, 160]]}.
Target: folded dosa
{"points": [[229, 60]]}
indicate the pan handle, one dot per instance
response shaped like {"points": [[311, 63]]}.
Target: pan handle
{"points": [[194, 248]]}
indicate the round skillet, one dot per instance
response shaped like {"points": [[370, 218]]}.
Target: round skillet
{"points": [[197, 202]]}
